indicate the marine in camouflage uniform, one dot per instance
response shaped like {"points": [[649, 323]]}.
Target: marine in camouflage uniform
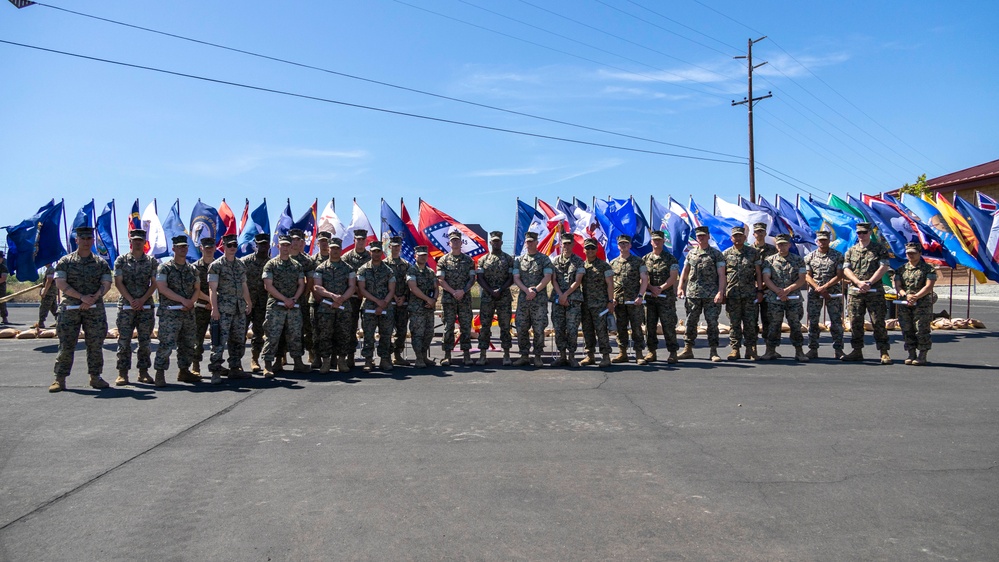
{"points": [[422, 282], [202, 305], [825, 271], [355, 258], [765, 250], [598, 302], [400, 304], [914, 282], [456, 275], [4, 273], [285, 283], [660, 301], [334, 283], [376, 283], [784, 273], [254, 264], [864, 266], [178, 284], [700, 280], [743, 289], [48, 297], [567, 302], [230, 302], [495, 276], [135, 279], [308, 266], [323, 239], [83, 278], [532, 272], [631, 279]]}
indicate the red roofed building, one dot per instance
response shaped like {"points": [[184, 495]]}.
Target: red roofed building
{"points": [[983, 177]]}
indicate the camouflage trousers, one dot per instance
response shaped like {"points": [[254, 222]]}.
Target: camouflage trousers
{"points": [[355, 320], [232, 334], [332, 335], [280, 320], [790, 310], [859, 306], [255, 321], [383, 324], [834, 307], [503, 310], [48, 305], [202, 318], [531, 316], [660, 312], [742, 313], [3, 305], [565, 321], [595, 330], [463, 312], [141, 321], [94, 323], [634, 316], [305, 309], [915, 324], [694, 308], [401, 327], [421, 328], [177, 331], [764, 310]]}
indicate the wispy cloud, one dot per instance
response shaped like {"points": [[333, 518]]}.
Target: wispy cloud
{"points": [[560, 174], [277, 160], [507, 172], [784, 65]]}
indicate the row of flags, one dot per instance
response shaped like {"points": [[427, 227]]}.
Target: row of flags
{"points": [[950, 233]]}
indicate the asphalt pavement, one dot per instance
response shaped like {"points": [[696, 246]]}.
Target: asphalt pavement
{"points": [[732, 461]]}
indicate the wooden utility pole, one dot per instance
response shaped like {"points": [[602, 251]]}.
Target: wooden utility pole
{"points": [[749, 101]]}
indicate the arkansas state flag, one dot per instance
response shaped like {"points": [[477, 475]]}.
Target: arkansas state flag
{"points": [[229, 220], [436, 225]]}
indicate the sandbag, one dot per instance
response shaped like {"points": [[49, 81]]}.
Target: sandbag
{"points": [[8, 333], [26, 335], [47, 334]]}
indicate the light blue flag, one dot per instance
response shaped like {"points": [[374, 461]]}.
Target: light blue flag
{"points": [[842, 227], [929, 215], [616, 217], [720, 228], [174, 226], [525, 214], [895, 241], [284, 223], [258, 223], [672, 220]]}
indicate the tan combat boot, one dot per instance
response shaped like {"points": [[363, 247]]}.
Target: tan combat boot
{"points": [[268, 369], [605, 361], [482, 358], [715, 358], [687, 353], [639, 358], [621, 357], [58, 385], [523, 361], [650, 356], [912, 357], [122, 379], [195, 368], [341, 364], [734, 354], [799, 354], [385, 364], [856, 355], [314, 360], [160, 381], [921, 359], [590, 359], [144, 377], [369, 364], [885, 358], [398, 359], [255, 362], [751, 352], [770, 354], [446, 362], [672, 358], [97, 382]]}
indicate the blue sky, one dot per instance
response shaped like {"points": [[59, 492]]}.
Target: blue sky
{"points": [[867, 96]]}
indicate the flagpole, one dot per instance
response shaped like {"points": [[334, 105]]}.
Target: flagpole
{"points": [[114, 230], [65, 227], [93, 216], [968, 314], [950, 299]]}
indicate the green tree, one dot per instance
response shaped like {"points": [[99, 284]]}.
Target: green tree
{"points": [[916, 189]]}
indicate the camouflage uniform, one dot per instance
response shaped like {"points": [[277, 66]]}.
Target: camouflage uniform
{"points": [[332, 334], [258, 296], [355, 260], [3, 288], [532, 314], [421, 318], [317, 261], [137, 274], [864, 262], [400, 268], [230, 277], [308, 266], [566, 319], [915, 320], [766, 250], [285, 275], [661, 310], [202, 315], [48, 302], [627, 282], [822, 268], [456, 271], [377, 280], [595, 302], [740, 294], [85, 276], [177, 327], [784, 271], [702, 286], [496, 269]]}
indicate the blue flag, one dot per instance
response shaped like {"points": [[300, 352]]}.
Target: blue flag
{"points": [[928, 215], [307, 223], [393, 226], [206, 223], [525, 214], [84, 217], [895, 241], [35, 242], [675, 227], [641, 244], [284, 224], [616, 217], [104, 242], [980, 222], [174, 226], [259, 223], [842, 227], [720, 228]]}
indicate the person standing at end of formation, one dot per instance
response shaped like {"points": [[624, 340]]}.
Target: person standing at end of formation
{"points": [[743, 292], [914, 282], [48, 297], [567, 308], [400, 302], [285, 283], [598, 302], [355, 258], [865, 263], [178, 285], [135, 279], [83, 279], [334, 283], [308, 266], [323, 240], [495, 277], [765, 250], [660, 300], [532, 272], [422, 303], [631, 279], [231, 303], [824, 277], [456, 275], [4, 273], [254, 264], [202, 303], [702, 283], [784, 275], [376, 283]]}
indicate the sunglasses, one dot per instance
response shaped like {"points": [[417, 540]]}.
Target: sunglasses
{"points": [[232, 245]]}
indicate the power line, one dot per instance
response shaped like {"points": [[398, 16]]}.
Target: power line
{"points": [[367, 107], [667, 18]]}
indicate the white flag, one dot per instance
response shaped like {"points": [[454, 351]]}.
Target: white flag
{"points": [[155, 235], [358, 221], [329, 222]]}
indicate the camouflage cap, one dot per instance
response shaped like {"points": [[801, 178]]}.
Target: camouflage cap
{"points": [[360, 233], [297, 233], [783, 239], [179, 240], [207, 242], [863, 227], [702, 230], [136, 234], [658, 235], [495, 235], [624, 238], [229, 239], [376, 245], [590, 244], [567, 237], [530, 236], [85, 231], [325, 235], [421, 251], [822, 235], [913, 248], [336, 242], [395, 241], [738, 230], [284, 239], [757, 226], [454, 234], [262, 238]]}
